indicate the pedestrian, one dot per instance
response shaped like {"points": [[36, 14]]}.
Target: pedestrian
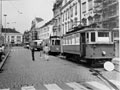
{"points": [[41, 50], [46, 51], [32, 51]]}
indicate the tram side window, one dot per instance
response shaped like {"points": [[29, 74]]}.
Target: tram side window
{"points": [[92, 36], [77, 38], [103, 37], [103, 34], [73, 39], [57, 42], [87, 37]]}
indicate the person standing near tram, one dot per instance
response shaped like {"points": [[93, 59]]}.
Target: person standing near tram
{"points": [[46, 51]]}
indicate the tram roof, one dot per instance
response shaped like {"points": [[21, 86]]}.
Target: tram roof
{"points": [[94, 29], [88, 29]]}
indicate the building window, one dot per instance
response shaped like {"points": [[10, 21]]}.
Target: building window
{"points": [[76, 9], [72, 11], [71, 24], [90, 5], [68, 13], [75, 20], [84, 7], [113, 10], [65, 1], [65, 27], [12, 37], [63, 16], [68, 26]]}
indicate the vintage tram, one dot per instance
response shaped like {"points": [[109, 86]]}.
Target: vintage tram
{"points": [[55, 45], [91, 45]]}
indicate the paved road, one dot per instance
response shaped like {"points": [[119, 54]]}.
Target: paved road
{"points": [[20, 71]]}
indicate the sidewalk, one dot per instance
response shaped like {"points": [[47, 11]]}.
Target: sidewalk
{"points": [[116, 62], [2, 63]]}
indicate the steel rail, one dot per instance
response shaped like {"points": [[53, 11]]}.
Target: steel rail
{"points": [[104, 79]]}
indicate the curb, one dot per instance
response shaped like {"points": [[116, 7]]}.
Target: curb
{"points": [[2, 63]]}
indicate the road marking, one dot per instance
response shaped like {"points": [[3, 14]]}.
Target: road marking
{"points": [[98, 85], [28, 88], [117, 83], [52, 87], [76, 86], [4, 89]]}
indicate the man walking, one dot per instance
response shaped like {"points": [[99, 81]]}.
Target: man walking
{"points": [[32, 51], [33, 57], [41, 49]]}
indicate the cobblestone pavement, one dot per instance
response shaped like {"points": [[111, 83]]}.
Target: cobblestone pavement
{"points": [[19, 71]]}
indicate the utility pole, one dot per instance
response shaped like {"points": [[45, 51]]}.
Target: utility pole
{"points": [[5, 15], [0, 16]]}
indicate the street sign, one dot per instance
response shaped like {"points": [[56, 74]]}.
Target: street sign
{"points": [[109, 66]]}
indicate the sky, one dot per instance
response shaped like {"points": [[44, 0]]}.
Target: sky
{"points": [[20, 13]]}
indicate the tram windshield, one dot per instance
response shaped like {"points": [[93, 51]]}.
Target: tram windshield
{"points": [[57, 42]]}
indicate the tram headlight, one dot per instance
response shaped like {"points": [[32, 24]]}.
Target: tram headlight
{"points": [[103, 53]]}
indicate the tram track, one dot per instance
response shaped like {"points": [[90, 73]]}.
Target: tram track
{"points": [[104, 79], [97, 73]]}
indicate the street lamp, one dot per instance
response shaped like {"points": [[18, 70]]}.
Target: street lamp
{"points": [[5, 15]]}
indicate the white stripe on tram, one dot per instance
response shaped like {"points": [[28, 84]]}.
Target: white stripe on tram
{"points": [[28, 88], [52, 87], [76, 86], [98, 85], [5, 89]]}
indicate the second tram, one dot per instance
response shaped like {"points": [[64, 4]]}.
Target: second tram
{"points": [[55, 45]]}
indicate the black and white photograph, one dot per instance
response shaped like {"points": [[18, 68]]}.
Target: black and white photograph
{"points": [[59, 45]]}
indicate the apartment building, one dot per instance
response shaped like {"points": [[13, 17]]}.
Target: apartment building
{"points": [[33, 31], [57, 17], [45, 31], [88, 14], [104, 13], [70, 13], [110, 13]]}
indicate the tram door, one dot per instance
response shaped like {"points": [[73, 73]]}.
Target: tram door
{"points": [[82, 44]]}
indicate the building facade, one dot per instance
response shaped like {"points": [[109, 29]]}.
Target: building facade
{"points": [[103, 13], [45, 31], [12, 36], [26, 36], [110, 13], [70, 15], [33, 31], [89, 14], [57, 17]]}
